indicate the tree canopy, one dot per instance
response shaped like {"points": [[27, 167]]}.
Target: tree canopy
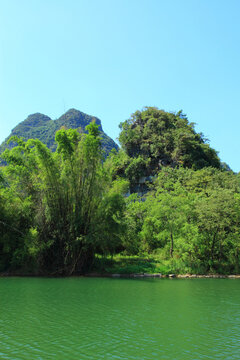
{"points": [[59, 211], [67, 201], [153, 138]]}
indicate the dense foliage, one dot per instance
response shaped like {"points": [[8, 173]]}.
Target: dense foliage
{"points": [[153, 138], [191, 218], [66, 207], [58, 210]]}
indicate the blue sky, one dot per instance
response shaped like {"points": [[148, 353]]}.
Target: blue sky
{"points": [[109, 58]]}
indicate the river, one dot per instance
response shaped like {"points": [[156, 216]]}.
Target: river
{"points": [[102, 318]]}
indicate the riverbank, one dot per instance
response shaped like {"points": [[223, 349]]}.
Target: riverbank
{"points": [[121, 266], [155, 266], [126, 276], [170, 276]]}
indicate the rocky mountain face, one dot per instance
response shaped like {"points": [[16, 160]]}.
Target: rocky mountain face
{"points": [[42, 127]]}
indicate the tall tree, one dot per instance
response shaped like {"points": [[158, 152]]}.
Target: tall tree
{"points": [[72, 198]]}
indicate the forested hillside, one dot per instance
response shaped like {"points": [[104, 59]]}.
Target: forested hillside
{"points": [[62, 212], [39, 126], [160, 138], [153, 139]]}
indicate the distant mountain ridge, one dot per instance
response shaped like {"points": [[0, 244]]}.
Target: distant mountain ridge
{"points": [[42, 127]]}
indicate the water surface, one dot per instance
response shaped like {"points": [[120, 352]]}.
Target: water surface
{"points": [[85, 318]]}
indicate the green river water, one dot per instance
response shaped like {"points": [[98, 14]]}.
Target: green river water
{"points": [[98, 318]]}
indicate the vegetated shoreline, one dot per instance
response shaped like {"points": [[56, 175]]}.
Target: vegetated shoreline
{"points": [[170, 276], [163, 206], [126, 276]]}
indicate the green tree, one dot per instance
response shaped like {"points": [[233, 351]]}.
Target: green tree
{"points": [[162, 138], [166, 216], [216, 220], [134, 218], [73, 202]]}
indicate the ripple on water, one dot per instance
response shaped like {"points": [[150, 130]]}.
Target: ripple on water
{"points": [[82, 318]]}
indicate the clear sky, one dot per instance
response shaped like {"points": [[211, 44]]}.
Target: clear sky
{"points": [[109, 58]]}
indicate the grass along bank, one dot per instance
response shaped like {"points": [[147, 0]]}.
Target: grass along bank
{"points": [[151, 264]]}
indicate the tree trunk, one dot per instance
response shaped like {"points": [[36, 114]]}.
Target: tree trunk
{"points": [[171, 248]]}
